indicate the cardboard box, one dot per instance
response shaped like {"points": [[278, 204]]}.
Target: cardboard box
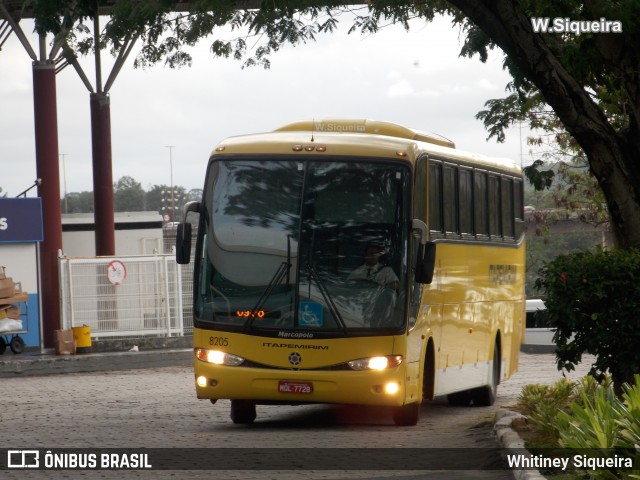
{"points": [[13, 312], [7, 287], [64, 342]]}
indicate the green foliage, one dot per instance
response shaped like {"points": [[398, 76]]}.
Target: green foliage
{"points": [[595, 61], [586, 416], [629, 422], [540, 179], [77, 202], [128, 195], [592, 300], [166, 31], [606, 423], [594, 424], [586, 84], [542, 404], [544, 241]]}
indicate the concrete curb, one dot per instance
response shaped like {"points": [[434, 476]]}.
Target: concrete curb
{"points": [[509, 439], [34, 364]]}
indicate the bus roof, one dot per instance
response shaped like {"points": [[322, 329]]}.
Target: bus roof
{"points": [[356, 138], [371, 127]]}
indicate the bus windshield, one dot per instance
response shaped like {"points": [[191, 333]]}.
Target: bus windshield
{"points": [[304, 248]]}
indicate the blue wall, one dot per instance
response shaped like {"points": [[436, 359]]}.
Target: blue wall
{"points": [[32, 339]]}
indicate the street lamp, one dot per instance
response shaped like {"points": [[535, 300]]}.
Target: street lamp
{"points": [[169, 198], [37, 183]]}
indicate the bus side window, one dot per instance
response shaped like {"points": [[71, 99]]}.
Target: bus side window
{"points": [[480, 202], [450, 203], [495, 217], [506, 189], [465, 201], [518, 205], [420, 190], [435, 197], [420, 213]]}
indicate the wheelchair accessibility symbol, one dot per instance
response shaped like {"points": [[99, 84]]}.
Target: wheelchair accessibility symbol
{"points": [[311, 314]]}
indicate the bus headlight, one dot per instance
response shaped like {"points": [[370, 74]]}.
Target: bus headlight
{"points": [[217, 357], [376, 363]]}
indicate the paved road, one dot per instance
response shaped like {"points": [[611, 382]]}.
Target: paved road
{"points": [[157, 408]]}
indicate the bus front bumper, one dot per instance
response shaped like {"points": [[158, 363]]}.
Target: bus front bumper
{"points": [[366, 387]]}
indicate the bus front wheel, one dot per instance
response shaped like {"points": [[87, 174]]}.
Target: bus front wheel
{"points": [[243, 411], [406, 415]]}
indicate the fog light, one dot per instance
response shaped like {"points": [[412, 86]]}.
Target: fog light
{"points": [[391, 388], [201, 381]]}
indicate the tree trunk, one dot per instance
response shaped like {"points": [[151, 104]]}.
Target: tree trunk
{"points": [[613, 156]]}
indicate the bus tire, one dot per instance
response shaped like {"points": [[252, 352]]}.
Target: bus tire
{"points": [[243, 411], [429, 374], [406, 415], [486, 396]]}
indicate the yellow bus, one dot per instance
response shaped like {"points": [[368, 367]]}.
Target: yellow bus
{"points": [[355, 262]]}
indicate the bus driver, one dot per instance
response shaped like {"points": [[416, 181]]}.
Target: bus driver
{"points": [[380, 304], [375, 271]]}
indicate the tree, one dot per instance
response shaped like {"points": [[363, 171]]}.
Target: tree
{"points": [[592, 300], [590, 81], [128, 195], [77, 202]]}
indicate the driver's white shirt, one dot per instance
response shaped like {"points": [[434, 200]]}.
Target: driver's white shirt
{"points": [[381, 274]]}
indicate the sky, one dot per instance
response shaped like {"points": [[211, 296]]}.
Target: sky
{"points": [[413, 78]]}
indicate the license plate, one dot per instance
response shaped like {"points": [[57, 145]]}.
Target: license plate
{"points": [[295, 387]]}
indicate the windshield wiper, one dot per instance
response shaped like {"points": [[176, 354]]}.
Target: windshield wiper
{"points": [[281, 272], [327, 297]]}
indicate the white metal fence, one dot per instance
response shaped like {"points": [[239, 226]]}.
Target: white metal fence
{"points": [[127, 297]]}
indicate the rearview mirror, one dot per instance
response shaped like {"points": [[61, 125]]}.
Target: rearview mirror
{"points": [[183, 235], [183, 243], [425, 263], [426, 255]]}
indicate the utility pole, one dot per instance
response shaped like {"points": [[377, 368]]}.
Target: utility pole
{"points": [[64, 181], [173, 205]]}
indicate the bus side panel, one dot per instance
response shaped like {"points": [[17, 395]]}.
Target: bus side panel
{"points": [[479, 291], [414, 345]]}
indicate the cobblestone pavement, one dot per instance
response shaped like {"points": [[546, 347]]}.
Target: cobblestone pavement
{"points": [[157, 408], [537, 368]]}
